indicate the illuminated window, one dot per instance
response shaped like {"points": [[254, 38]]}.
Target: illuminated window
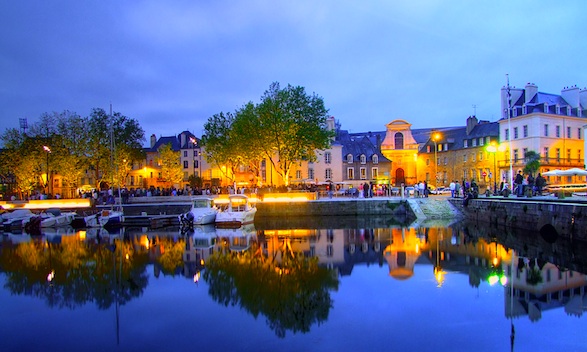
{"points": [[363, 172], [350, 173], [374, 173]]}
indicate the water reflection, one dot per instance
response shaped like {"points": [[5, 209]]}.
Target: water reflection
{"points": [[287, 275]]}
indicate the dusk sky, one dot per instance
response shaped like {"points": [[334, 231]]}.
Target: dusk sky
{"points": [[173, 64]]}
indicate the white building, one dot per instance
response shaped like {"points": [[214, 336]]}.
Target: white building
{"points": [[549, 124]]}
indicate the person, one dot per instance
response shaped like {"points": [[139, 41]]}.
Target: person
{"points": [[531, 182], [452, 189], [457, 189], [518, 181], [366, 190], [540, 183]]}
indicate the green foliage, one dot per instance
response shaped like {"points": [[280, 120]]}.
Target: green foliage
{"points": [[532, 162], [171, 170], [288, 126]]}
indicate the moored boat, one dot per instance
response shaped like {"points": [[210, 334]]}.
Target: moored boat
{"points": [[202, 212], [105, 218], [235, 211]]}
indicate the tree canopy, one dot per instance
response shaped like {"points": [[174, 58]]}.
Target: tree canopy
{"points": [[286, 127], [67, 144]]}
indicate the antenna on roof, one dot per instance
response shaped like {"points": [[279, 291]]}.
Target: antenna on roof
{"points": [[474, 110]]}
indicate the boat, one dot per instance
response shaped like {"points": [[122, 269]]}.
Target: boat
{"points": [[105, 218], [235, 211], [202, 212], [53, 217], [14, 220]]}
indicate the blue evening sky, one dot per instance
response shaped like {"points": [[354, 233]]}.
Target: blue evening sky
{"points": [[173, 64]]}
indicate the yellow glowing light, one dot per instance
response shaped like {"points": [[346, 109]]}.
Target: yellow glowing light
{"points": [[48, 203], [495, 261], [82, 235], [127, 256], [51, 276], [202, 262], [196, 277]]}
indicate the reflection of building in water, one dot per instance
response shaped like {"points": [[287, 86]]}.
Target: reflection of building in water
{"points": [[199, 246], [402, 252], [542, 286]]}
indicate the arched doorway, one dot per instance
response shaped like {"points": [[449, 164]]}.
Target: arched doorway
{"points": [[400, 177]]}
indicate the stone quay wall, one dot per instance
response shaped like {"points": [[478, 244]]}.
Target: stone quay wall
{"points": [[547, 216]]}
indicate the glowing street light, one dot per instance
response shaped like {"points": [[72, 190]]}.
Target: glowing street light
{"points": [[494, 148], [48, 150], [435, 139]]}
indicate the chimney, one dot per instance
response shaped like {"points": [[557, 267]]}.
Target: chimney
{"points": [[153, 140], [571, 96], [531, 90], [471, 123], [515, 94]]}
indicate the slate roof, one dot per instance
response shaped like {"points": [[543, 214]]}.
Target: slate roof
{"points": [[173, 140], [357, 144]]}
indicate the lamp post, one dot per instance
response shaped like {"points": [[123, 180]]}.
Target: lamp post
{"points": [[48, 185], [435, 138], [494, 148]]}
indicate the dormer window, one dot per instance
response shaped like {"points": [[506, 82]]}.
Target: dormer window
{"points": [[363, 159], [524, 109], [349, 158], [466, 143], [375, 159]]}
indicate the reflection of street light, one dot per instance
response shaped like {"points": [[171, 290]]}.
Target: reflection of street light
{"points": [[48, 150], [494, 148], [435, 138]]}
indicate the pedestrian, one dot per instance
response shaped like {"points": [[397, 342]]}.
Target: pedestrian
{"points": [[457, 189], [452, 189], [518, 181], [540, 183]]}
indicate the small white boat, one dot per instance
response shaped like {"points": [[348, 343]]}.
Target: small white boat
{"points": [[235, 211], [105, 218], [16, 218], [53, 217], [202, 212]]}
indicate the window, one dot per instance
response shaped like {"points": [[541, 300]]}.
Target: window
{"points": [[480, 156], [487, 140], [568, 132], [579, 154], [445, 160], [185, 153], [185, 164], [473, 157], [568, 155], [515, 155], [298, 174], [350, 173], [428, 162], [507, 134], [525, 131], [558, 155], [374, 173], [557, 132], [465, 143], [579, 132], [328, 174], [310, 173], [474, 142], [546, 154], [515, 133], [399, 140], [481, 141], [524, 152], [545, 130], [195, 153], [363, 159], [327, 158], [363, 173], [464, 158], [349, 158], [196, 164], [375, 159]]}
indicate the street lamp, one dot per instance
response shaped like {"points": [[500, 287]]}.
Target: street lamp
{"points": [[435, 139], [494, 148], [48, 150]]}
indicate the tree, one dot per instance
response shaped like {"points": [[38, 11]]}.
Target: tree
{"points": [[532, 162], [171, 170], [220, 143], [110, 133], [292, 125]]}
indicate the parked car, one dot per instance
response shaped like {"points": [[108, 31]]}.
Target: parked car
{"points": [[440, 190]]}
